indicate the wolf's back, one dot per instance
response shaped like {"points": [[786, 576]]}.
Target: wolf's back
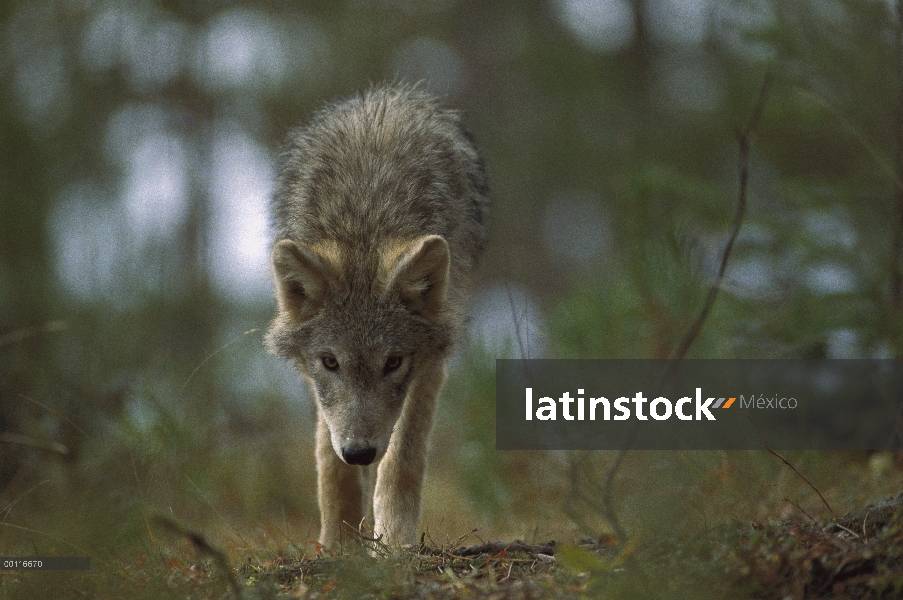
{"points": [[390, 164]]}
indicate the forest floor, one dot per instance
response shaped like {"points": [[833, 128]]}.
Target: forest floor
{"points": [[857, 555]]}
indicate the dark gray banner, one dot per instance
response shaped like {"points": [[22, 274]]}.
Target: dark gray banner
{"points": [[699, 404]]}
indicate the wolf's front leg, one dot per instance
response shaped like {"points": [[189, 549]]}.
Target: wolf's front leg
{"points": [[396, 502], [340, 492]]}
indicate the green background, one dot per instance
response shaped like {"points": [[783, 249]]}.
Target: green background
{"points": [[137, 155]]}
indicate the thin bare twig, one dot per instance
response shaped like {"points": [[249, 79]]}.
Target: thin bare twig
{"points": [[371, 543], [764, 446], [9, 507], [608, 504], [211, 355], [463, 537], [680, 352], [203, 547], [523, 346], [495, 548], [892, 168], [882, 161], [24, 440], [800, 508], [159, 450], [57, 413], [848, 530], [745, 142]]}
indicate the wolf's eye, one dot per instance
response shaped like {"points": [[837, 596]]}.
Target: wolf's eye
{"points": [[330, 362], [392, 363]]}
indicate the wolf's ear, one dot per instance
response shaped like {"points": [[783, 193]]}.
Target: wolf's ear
{"points": [[420, 275], [301, 280]]}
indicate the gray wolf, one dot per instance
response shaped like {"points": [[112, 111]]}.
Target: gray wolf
{"points": [[380, 216]]}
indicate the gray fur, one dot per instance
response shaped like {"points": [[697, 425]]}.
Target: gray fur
{"points": [[362, 279]]}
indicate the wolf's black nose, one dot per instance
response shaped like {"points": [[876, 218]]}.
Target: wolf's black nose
{"points": [[359, 455]]}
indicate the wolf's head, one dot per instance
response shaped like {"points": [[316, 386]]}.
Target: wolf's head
{"points": [[361, 326]]}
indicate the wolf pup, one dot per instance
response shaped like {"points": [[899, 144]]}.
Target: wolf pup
{"points": [[380, 216]]}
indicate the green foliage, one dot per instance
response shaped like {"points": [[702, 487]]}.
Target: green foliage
{"points": [[164, 406]]}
